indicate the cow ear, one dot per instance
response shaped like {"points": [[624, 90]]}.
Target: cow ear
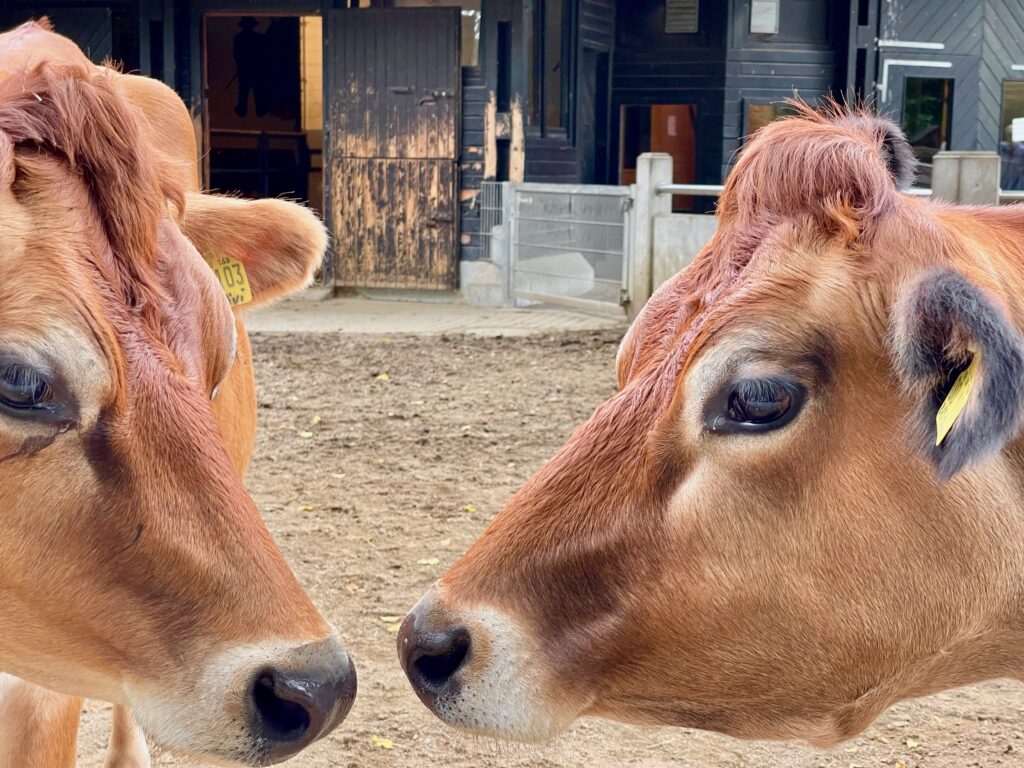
{"points": [[899, 157], [280, 243], [960, 357], [892, 145]]}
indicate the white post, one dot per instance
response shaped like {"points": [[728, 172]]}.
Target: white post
{"points": [[652, 170], [971, 178]]}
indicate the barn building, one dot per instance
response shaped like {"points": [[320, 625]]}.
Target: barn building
{"points": [[389, 114]]}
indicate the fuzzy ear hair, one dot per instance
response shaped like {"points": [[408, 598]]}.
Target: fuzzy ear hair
{"points": [[6, 161], [899, 157], [940, 325], [279, 242], [895, 149]]}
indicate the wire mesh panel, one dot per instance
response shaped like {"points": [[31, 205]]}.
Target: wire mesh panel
{"points": [[570, 243]]}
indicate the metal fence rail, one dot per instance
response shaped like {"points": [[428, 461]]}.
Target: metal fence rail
{"points": [[715, 190]]}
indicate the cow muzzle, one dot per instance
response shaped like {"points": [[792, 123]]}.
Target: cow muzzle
{"points": [[477, 669], [253, 705]]}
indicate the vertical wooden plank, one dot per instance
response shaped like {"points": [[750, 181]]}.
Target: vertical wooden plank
{"points": [[407, 107], [394, 159]]}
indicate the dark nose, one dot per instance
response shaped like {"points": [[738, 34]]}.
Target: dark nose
{"points": [[431, 658], [293, 708]]}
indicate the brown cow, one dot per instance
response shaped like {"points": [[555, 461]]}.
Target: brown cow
{"points": [[156, 585], [758, 534], [39, 727]]}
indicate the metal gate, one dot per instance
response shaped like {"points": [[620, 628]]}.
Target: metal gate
{"points": [[570, 244]]}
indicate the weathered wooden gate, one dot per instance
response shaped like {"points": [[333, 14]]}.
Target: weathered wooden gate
{"points": [[394, 112]]}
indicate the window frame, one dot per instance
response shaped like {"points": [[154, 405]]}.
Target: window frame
{"points": [[534, 64]]}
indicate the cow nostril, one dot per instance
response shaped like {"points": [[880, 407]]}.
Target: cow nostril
{"points": [[282, 717], [438, 661]]}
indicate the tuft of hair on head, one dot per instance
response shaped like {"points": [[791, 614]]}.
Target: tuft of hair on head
{"points": [[842, 165], [77, 113]]}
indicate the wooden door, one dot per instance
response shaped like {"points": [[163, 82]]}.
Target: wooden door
{"points": [[394, 112]]}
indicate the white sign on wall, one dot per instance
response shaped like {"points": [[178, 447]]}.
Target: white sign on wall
{"points": [[1017, 129], [764, 17]]}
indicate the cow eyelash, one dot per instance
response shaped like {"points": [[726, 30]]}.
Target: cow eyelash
{"points": [[754, 406]]}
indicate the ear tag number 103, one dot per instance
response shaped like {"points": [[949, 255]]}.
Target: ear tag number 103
{"points": [[956, 400], [233, 279]]}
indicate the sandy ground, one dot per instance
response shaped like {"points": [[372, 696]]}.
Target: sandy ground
{"points": [[411, 468]]}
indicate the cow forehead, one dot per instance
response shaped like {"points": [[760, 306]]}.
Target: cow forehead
{"points": [[789, 288], [54, 296]]}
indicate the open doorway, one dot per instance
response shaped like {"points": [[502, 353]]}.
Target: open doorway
{"points": [[264, 105], [669, 128]]}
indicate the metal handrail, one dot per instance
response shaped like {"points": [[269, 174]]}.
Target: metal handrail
{"points": [[714, 190], [694, 190]]}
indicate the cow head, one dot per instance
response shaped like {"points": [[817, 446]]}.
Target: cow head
{"points": [[134, 565], [758, 534]]}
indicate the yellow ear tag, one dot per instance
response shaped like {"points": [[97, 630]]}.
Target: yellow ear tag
{"points": [[956, 400], [231, 274]]}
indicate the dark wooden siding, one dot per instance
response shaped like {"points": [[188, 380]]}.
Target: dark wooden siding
{"points": [[652, 67], [597, 24], [102, 29], [806, 59]]}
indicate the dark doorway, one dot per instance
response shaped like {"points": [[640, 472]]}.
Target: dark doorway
{"points": [[592, 117], [927, 120], [264, 105], [669, 128], [396, 85]]}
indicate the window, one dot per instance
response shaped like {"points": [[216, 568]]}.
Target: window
{"points": [[546, 107], [471, 18], [758, 115], [1011, 148], [927, 120]]}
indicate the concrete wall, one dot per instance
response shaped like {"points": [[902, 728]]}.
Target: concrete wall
{"points": [[678, 238]]}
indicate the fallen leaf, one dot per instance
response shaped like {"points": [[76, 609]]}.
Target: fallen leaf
{"points": [[470, 508], [900, 764], [393, 628], [418, 402], [306, 507], [303, 433], [338, 475], [390, 619], [383, 376], [377, 741], [429, 561], [911, 743], [317, 419]]}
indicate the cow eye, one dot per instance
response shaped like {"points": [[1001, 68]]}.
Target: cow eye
{"points": [[754, 405], [26, 393]]}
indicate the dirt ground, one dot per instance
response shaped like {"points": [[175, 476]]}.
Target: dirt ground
{"points": [[362, 476]]}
